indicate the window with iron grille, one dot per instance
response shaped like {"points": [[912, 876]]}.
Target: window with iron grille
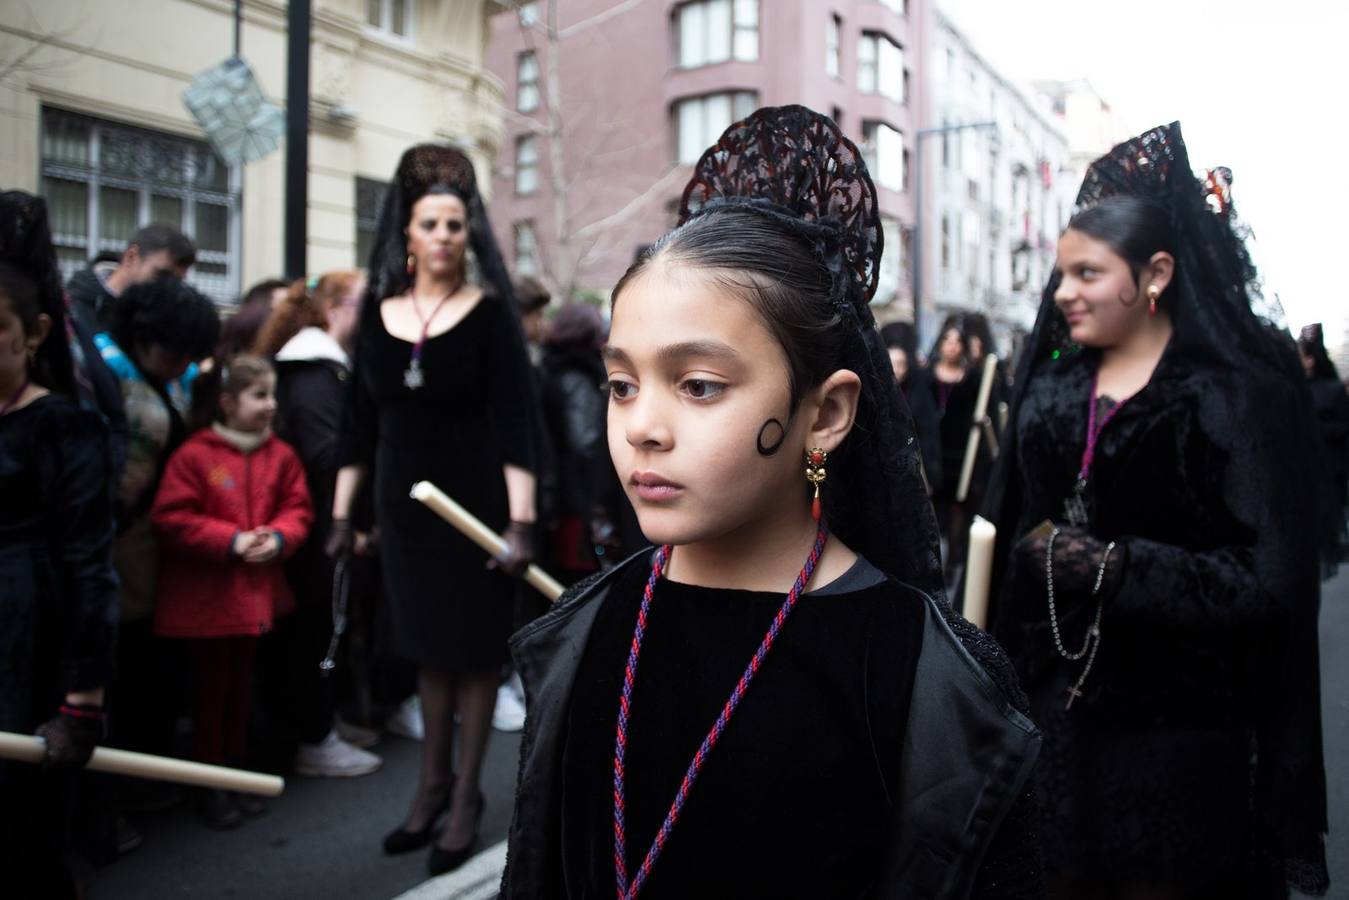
{"points": [[103, 181]]}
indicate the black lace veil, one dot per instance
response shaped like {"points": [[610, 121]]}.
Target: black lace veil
{"points": [[795, 167], [428, 169], [26, 243], [1223, 322]]}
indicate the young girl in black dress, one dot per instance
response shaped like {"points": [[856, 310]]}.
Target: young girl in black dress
{"points": [[1158, 578], [775, 703]]}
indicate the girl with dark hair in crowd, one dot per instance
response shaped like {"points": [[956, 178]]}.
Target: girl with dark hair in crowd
{"points": [[58, 618], [231, 507], [955, 386], [1156, 578], [309, 335], [851, 739], [915, 381], [443, 393], [1331, 402]]}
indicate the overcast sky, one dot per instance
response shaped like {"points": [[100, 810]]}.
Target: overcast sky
{"points": [[1260, 87]]}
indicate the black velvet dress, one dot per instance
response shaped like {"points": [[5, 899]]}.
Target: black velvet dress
{"points": [[471, 416], [1148, 777], [794, 800]]}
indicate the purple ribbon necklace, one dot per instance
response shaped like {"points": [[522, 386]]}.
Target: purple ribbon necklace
{"points": [[413, 377], [626, 891], [1075, 507]]}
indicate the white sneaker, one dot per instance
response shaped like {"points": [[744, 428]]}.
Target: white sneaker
{"points": [[407, 720], [335, 758], [509, 714]]}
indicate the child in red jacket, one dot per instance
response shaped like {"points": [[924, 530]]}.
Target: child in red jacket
{"points": [[232, 505]]}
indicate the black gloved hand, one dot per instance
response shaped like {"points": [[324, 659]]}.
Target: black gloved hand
{"points": [[340, 539], [519, 552], [71, 736], [1077, 561]]}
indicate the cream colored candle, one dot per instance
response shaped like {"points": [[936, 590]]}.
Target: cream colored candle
{"points": [[979, 571], [473, 529], [30, 749], [980, 416]]}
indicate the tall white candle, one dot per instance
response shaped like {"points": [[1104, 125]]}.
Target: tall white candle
{"points": [[979, 571]]}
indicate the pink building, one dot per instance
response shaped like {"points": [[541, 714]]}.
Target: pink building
{"points": [[643, 88]]}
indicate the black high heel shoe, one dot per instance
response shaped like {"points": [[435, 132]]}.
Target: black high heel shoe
{"points": [[441, 860], [402, 840]]}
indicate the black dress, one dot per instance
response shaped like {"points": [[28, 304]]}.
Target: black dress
{"points": [[58, 609], [471, 416], [795, 799], [1147, 778]]}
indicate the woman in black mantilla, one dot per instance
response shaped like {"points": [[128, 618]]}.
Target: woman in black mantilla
{"points": [[878, 749], [58, 593], [1163, 618], [443, 394]]}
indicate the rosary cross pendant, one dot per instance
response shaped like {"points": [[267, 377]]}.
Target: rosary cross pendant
{"points": [[1075, 507], [1073, 694]]}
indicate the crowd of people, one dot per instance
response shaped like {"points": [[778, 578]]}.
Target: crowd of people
{"points": [[210, 523]]}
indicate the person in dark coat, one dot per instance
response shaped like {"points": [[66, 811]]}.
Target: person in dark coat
{"points": [[309, 335], [1155, 579], [955, 388], [1331, 400], [582, 526], [915, 381], [153, 251], [58, 618], [240, 331], [443, 393]]}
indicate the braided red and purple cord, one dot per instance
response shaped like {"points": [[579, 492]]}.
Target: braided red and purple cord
{"points": [[626, 891]]}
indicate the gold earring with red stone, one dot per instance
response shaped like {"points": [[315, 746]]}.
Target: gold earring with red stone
{"points": [[412, 263], [816, 474], [1153, 294]]}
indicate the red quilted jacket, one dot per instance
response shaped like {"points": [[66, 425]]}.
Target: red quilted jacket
{"points": [[210, 492]]}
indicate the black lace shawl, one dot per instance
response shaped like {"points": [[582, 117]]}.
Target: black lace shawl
{"points": [[796, 167], [1223, 323], [26, 243]]}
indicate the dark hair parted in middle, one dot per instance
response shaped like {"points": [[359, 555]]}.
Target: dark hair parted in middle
{"points": [[167, 312], [1133, 227], [775, 270]]}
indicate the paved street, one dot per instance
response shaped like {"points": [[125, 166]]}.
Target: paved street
{"points": [[321, 839]]}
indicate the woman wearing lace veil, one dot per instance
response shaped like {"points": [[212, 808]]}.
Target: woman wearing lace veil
{"points": [[825, 728], [1156, 583], [443, 393]]}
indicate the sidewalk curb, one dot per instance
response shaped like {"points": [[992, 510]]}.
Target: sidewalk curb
{"points": [[477, 879]]}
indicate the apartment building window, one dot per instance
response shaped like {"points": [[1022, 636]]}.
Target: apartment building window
{"points": [[833, 59], [700, 120], [103, 181], [528, 12], [883, 150], [527, 81], [526, 164], [880, 66], [713, 31], [369, 200], [898, 6], [526, 249], [892, 262], [390, 16]]}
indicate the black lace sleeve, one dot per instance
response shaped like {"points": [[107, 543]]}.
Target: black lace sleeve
{"points": [[1013, 867]]}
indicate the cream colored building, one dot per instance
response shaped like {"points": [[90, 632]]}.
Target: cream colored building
{"points": [[92, 117]]}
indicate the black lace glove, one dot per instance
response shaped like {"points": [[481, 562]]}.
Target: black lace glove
{"points": [[1077, 561], [71, 736], [519, 552], [340, 539]]}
